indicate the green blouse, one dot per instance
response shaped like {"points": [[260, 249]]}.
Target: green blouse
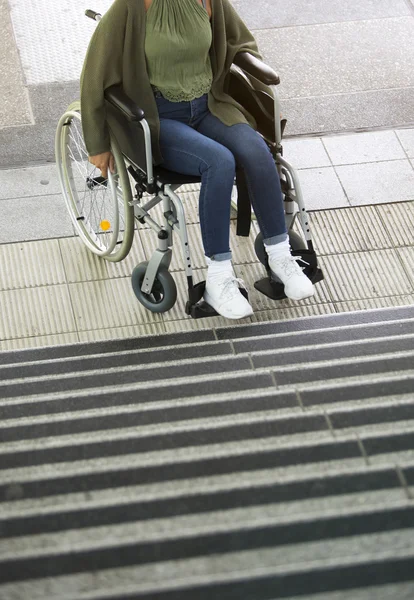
{"points": [[177, 44]]}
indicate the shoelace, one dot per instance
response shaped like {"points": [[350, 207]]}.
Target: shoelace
{"points": [[290, 266], [229, 284]]}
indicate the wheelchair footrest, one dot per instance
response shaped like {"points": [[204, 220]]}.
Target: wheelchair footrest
{"points": [[275, 290], [196, 307]]}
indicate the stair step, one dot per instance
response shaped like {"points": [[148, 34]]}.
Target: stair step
{"points": [[254, 330], [294, 349], [255, 462]]}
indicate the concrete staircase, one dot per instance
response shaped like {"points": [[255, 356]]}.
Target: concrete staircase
{"points": [[256, 462]]}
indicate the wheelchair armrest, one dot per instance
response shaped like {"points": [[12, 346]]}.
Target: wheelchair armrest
{"points": [[116, 96], [253, 66]]}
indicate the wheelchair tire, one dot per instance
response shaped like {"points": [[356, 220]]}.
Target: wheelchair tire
{"points": [[295, 240], [99, 208], [164, 291]]}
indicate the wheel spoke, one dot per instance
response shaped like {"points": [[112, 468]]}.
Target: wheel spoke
{"points": [[97, 206]]}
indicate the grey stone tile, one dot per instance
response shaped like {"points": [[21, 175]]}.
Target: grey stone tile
{"points": [[40, 311], [348, 230], [264, 14], [107, 304], [29, 182], [305, 153], [376, 183], [359, 275], [27, 145], [372, 146], [53, 44], [374, 303], [31, 264], [407, 258], [348, 112], [322, 189], [341, 57], [14, 101], [31, 144], [398, 219], [406, 137], [14, 105], [113, 333], [34, 219], [39, 341], [50, 100]]}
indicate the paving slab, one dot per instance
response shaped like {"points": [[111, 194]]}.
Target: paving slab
{"points": [[357, 148], [398, 220], [362, 275], [406, 137], [15, 106], [376, 183], [306, 153], [34, 218], [355, 229], [54, 49], [322, 189], [55, 288], [341, 57], [20, 265], [34, 312], [29, 182], [361, 111], [279, 13]]}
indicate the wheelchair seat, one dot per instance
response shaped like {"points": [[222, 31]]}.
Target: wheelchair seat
{"points": [[166, 176]]}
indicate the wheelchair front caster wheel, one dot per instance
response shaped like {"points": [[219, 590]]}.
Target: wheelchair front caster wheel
{"points": [[296, 243], [164, 291]]}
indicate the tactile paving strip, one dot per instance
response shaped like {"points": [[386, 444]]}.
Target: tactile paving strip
{"points": [[52, 37], [365, 254]]}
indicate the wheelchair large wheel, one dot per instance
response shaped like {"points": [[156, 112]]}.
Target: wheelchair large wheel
{"points": [[99, 208], [164, 291], [295, 240]]}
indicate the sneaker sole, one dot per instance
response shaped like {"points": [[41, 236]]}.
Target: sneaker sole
{"points": [[235, 317], [301, 297]]}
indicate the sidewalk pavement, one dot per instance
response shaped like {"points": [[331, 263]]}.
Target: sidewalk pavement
{"points": [[335, 171], [345, 65], [348, 94]]}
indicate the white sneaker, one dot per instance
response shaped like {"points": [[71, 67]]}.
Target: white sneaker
{"points": [[297, 285], [223, 294]]}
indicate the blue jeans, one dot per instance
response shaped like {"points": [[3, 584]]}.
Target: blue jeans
{"points": [[194, 142]]}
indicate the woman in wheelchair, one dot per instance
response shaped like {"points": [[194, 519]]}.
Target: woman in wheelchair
{"points": [[172, 57]]}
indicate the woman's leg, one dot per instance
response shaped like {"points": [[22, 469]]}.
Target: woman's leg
{"points": [[189, 152], [253, 155]]}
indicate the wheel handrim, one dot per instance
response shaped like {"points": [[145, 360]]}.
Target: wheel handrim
{"points": [[95, 205]]}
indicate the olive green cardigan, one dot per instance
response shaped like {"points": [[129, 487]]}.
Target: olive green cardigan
{"points": [[116, 55]]}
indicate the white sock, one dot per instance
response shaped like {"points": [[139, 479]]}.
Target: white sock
{"points": [[276, 251], [217, 268]]}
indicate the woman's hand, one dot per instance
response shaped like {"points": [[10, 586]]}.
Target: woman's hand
{"points": [[102, 162]]}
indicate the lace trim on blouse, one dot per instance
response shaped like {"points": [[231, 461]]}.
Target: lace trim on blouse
{"points": [[174, 95]]}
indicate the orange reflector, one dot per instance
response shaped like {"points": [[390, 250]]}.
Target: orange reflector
{"points": [[105, 225]]}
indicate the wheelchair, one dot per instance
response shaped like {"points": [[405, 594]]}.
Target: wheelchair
{"points": [[104, 211]]}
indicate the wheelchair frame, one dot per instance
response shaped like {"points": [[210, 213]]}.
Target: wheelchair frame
{"points": [[163, 192]]}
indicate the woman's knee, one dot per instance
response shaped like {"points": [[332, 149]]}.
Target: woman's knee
{"points": [[251, 148], [223, 160]]}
